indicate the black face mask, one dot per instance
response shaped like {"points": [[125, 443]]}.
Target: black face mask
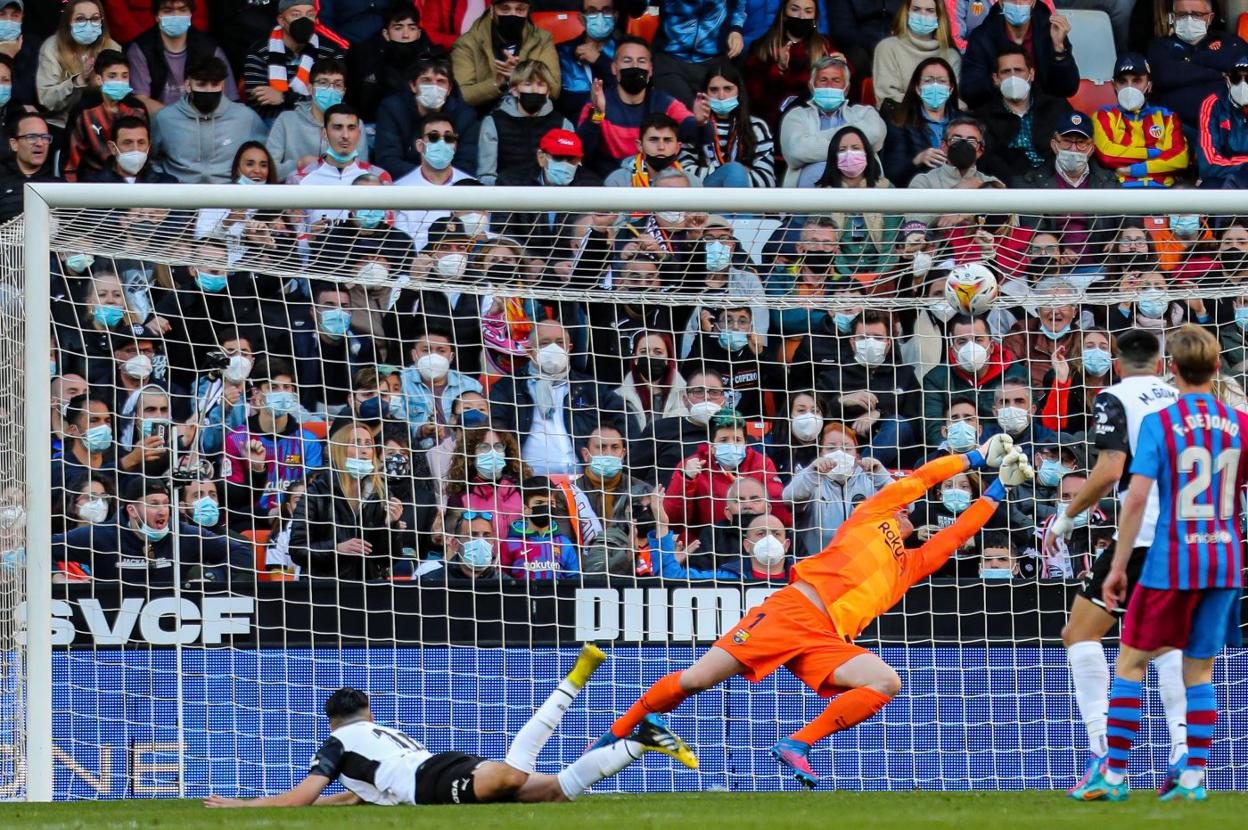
{"points": [[510, 27], [745, 517], [301, 30], [819, 261], [643, 518], [1233, 261], [1042, 265], [532, 102], [961, 155], [501, 272], [1127, 261], [206, 102], [634, 80], [541, 521], [658, 163], [799, 28], [650, 368]]}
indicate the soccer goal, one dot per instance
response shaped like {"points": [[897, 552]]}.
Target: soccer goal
{"points": [[257, 443]]}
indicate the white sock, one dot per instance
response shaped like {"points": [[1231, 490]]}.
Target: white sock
{"points": [[1090, 672], [1114, 778], [596, 765], [1189, 778], [522, 754], [1174, 699]]}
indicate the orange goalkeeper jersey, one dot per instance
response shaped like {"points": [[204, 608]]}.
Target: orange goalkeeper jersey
{"points": [[866, 568]]}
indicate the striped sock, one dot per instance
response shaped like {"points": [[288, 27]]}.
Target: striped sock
{"points": [[1202, 714], [1123, 725]]}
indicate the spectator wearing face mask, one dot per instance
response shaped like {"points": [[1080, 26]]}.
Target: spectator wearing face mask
{"points": [[765, 551], [812, 271], [1142, 144], [200, 505], [587, 57], [942, 507], [606, 477], [916, 125], [278, 68], [740, 152], [1019, 117], [698, 492], [221, 396], [89, 450], [1014, 412], [161, 52], [998, 561], [194, 140], [1072, 558], [718, 547], [436, 143], [485, 476], [1021, 23], [382, 62], [469, 550], [298, 138], [91, 501], [511, 134], [327, 355], [431, 386], [807, 130], [960, 430], [825, 493], [657, 453], [90, 122], [1223, 146], [538, 545], [778, 69], [1072, 169], [975, 366], [1054, 328], [1152, 309], [920, 32], [653, 386], [1192, 61], [271, 450], [1073, 381], [732, 349], [485, 56], [67, 57], [657, 157], [401, 119], [963, 147], [794, 442], [19, 44], [1032, 505], [1185, 247]]}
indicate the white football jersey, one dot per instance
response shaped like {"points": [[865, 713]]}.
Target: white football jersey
{"points": [[375, 762]]}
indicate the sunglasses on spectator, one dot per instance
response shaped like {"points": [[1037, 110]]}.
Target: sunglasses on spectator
{"points": [[469, 515], [449, 138]]}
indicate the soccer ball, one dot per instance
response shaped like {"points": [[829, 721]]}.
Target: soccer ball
{"points": [[971, 288]]}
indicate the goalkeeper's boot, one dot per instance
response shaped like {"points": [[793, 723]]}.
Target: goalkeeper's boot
{"points": [[1094, 761], [654, 736], [1172, 776], [791, 754], [590, 658], [1098, 789], [1180, 793]]}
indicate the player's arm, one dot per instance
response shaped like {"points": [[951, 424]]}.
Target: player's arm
{"points": [[305, 793], [1111, 440], [903, 492], [346, 798]]}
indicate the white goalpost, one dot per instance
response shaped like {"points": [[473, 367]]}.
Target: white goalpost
{"points": [[214, 682]]}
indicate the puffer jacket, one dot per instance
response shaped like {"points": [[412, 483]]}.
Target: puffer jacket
{"points": [[472, 60], [696, 31]]}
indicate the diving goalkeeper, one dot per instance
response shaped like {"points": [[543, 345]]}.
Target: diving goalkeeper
{"points": [[809, 625]]}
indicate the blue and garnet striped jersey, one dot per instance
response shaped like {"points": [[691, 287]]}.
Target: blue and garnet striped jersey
{"points": [[1194, 450]]}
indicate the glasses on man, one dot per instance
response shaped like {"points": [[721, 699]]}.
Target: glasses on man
{"points": [[449, 138], [35, 138]]}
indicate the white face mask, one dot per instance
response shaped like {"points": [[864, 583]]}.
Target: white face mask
{"points": [[239, 369], [138, 367], [1072, 162], [1190, 30], [552, 359], [433, 367], [971, 356], [1239, 93], [1013, 419], [475, 223], [806, 426], [768, 551], [1016, 88], [921, 264], [870, 351], [372, 274], [702, 412], [431, 96], [1130, 99], [131, 162], [671, 217], [452, 266], [843, 464], [93, 511], [942, 311]]}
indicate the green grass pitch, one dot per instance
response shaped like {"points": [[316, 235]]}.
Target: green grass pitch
{"points": [[694, 811]]}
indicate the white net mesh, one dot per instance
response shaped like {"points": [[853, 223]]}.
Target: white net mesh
{"points": [[430, 472]]}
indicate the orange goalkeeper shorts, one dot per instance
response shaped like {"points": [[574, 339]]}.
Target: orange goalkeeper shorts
{"points": [[788, 630]]}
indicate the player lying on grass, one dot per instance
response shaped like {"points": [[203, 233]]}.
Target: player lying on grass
{"points": [[1188, 593], [809, 625], [379, 765]]}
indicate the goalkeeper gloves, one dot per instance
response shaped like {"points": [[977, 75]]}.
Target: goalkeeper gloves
{"points": [[1062, 525], [1014, 471], [991, 452]]}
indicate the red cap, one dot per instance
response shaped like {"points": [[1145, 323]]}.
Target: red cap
{"points": [[561, 143]]}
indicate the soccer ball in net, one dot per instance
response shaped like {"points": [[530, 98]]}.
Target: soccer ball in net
{"points": [[971, 288]]}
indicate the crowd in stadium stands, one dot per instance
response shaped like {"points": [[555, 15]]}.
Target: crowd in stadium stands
{"points": [[366, 432]]}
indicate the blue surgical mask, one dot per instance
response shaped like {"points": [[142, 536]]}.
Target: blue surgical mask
{"points": [[560, 173], [955, 501], [115, 90], [10, 30], [934, 96], [1016, 14], [153, 534], [340, 157], [718, 255], [473, 419], [1185, 224], [1055, 335], [1078, 520], [325, 97], [52, 369], [1241, 317], [281, 403], [1098, 362], [211, 283], [79, 262], [6, 94], [922, 24], [108, 315], [961, 436], [996, 574], [244, 180], [723, 106], [477, 554], [175, 25], [86, 33], [98, 438], [439, 154], [491, 463], [1154, 307], [733, 340], [844, 322], [599, 26], [1050, 472], [606, 466], [827, 98], [206, 512], [370, 217], [335, 321], [358, 467], [729, 455]]}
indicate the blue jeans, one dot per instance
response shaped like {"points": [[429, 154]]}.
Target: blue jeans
{"points": [[732, 174]]}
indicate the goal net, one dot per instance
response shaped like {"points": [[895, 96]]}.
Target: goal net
{"points": [[426, 441]]}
